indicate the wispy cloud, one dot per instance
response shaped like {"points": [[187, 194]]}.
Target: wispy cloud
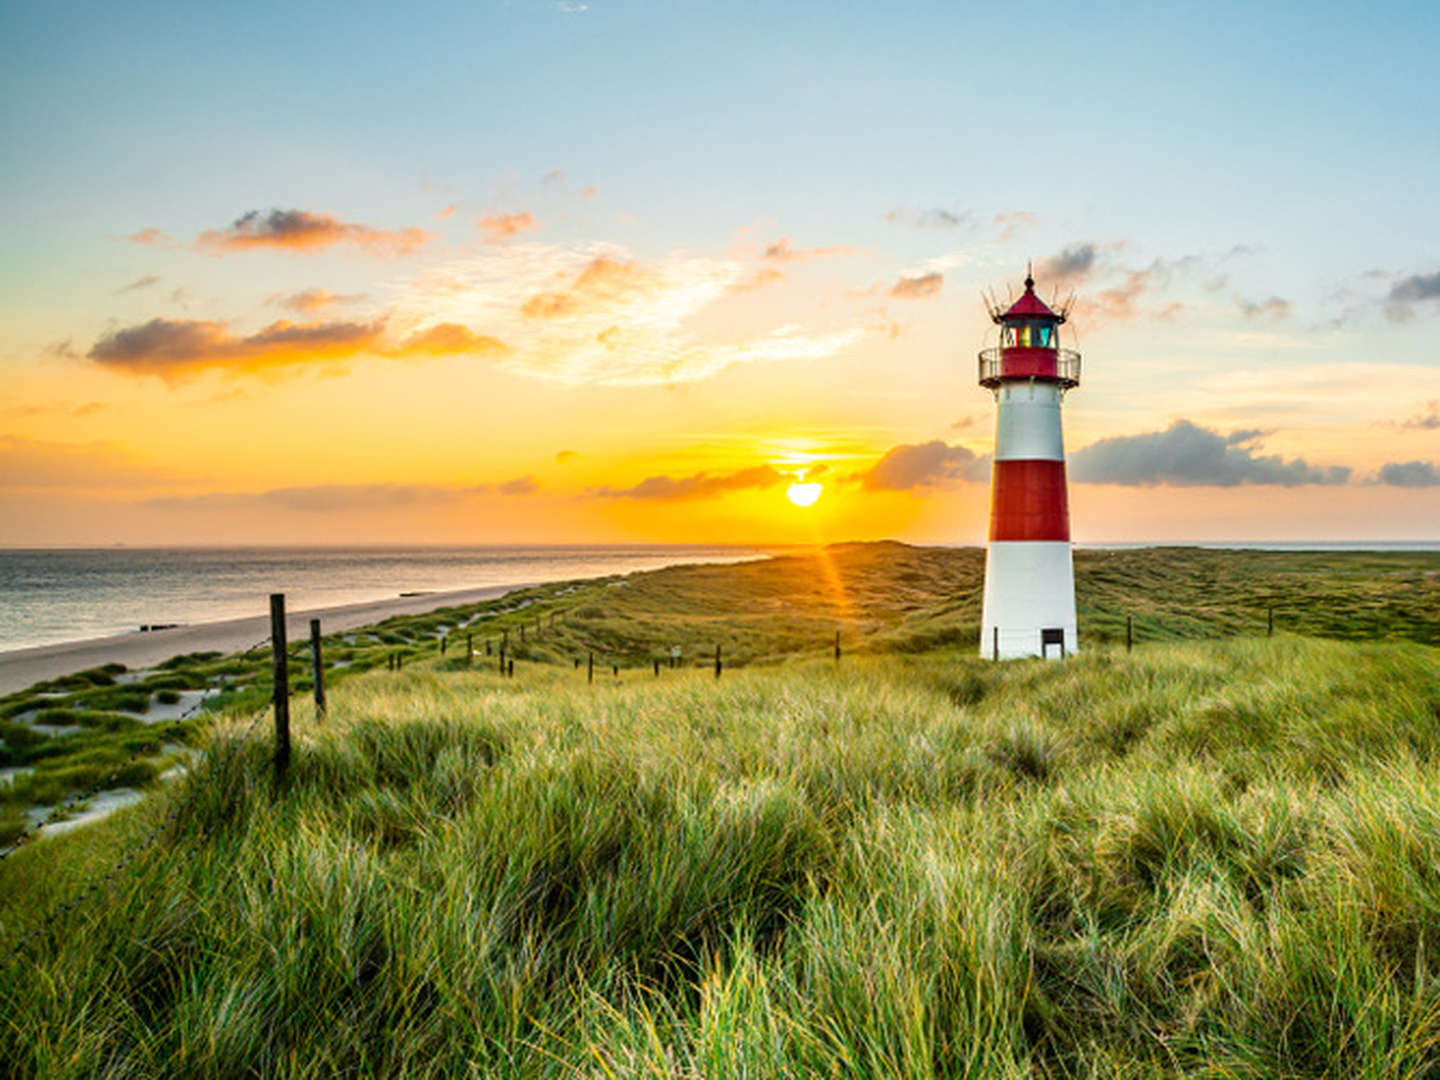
{"points": [[699, 485], [175, 348], [340, 498], [1069, 266], [1187, 455], [934, 218], [781, 251], [919, 287], [310, 301], [1428, 420], [146, 282], [152, 237], [598, 315], [305, 232], [501, 227], [1274, 309]]}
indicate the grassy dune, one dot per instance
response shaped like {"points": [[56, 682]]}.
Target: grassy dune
{"points": [[1205, 858]]}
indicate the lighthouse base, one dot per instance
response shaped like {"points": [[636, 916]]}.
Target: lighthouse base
{"points": [[1029, 600]]}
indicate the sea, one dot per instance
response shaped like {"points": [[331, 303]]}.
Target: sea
{"points": [[57, 595]]}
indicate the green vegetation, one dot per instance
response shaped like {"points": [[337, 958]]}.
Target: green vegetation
{"points": [[1202, 858]]}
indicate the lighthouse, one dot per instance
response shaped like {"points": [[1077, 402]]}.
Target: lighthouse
{"points": [[1029, 576]]}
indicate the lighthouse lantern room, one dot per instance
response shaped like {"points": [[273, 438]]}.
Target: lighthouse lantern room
{"points": [[1029, 576]]}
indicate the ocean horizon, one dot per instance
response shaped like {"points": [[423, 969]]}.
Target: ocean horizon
{"points": [[55, 595]]}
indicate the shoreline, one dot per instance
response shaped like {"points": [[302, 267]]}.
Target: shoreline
{"points": [[20, 668]]}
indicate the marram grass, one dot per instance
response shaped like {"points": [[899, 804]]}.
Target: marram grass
{"points": [[1210, 859]]}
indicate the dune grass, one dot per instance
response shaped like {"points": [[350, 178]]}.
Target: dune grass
{"points": [[1200, 859]]}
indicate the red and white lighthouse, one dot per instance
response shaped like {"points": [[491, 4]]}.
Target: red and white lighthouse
{"points": [[1029, 576]]}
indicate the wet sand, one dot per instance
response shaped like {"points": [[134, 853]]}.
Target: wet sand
{"points": [[20, 668]]}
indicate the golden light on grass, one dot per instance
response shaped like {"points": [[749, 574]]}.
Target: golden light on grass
{"points": [[804, 494]]}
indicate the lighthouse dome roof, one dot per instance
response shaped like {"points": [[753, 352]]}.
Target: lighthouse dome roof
{"points": [[1030, 306]]}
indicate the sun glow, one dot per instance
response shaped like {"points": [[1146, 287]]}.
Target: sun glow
{"points": [[804, 494]]}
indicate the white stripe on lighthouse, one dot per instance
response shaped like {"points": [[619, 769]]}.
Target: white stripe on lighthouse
{"points": [[1029, 587], [1027, 423]]}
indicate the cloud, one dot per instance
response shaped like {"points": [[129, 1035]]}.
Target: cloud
{"points": [[564, 457], [139, 283], [63, 350], [309, 301], [554, 176], [1069, 267], [936, 218], [448, 211], [152, 237], [1187, 455], [1411, 474], [1429, 420], [338, 498], [930, 464], [700, 485], [1274, 309], [173, 348], [301, 231], [781, 251], [1415, 288], [501, 227], [764, 276], [916, 288], [965, 422], [596, 315], [1011, 223]]}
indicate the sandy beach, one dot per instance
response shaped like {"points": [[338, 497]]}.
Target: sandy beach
{"points": [[20, 668]]}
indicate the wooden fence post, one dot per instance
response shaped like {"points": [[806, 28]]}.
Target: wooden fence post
{"points": [[510, 671], [590, 667], [717, 662], [469, 649], [317, 659], [281, 691], [444, 641], [1129, 632], [399, 660], [657, 669], [837, 646], [1270, 622], [995, 649]]}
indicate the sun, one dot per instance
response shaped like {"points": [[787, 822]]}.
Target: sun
{"points": [[804, 494]]}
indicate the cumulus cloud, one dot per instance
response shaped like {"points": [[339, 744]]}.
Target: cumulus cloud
{"points": [[1187, 455], [929, 464], [1069, 266], [303, 232], [173, 348], [309, 301], [139, 283], [501, 227], [1274, 309], [918, 287], [699, 485], [1415, 288], [1410, 474], [597, 315]]}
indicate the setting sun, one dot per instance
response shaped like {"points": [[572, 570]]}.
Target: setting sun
{"points": [[804, 494]]}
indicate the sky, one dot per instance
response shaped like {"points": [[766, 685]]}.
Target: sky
{"points": [[601, 272]]}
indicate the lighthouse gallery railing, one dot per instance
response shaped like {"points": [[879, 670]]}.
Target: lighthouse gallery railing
{"points": [[1067, 366]]}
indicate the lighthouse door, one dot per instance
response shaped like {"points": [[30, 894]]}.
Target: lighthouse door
{"points": [[1052, 635]]}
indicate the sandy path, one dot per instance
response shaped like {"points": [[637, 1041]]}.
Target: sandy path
{"points": [[20, 668]]}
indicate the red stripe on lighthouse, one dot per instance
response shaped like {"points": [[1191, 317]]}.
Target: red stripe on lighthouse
{"points": [[1028, 501]]}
